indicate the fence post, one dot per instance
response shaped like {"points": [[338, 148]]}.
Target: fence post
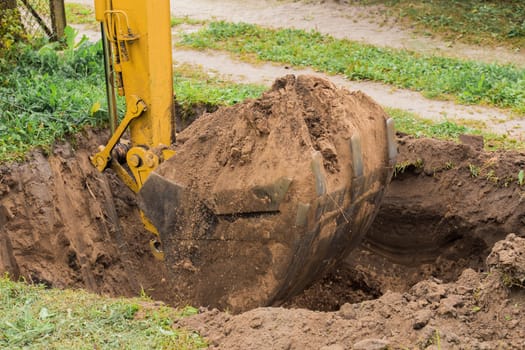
{"points": [[58, 17]]}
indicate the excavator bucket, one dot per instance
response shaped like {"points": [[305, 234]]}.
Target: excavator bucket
{"points": [[262, 197]]}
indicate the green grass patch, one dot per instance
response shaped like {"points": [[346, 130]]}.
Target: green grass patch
{"points": [[194, 86], [176, 21], [436, 77], [80, 14], [46, 94], [489, 22], [412, 124], [32, 317]]}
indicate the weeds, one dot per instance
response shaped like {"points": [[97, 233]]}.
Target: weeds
{"points": [[80, 14], [45, 94], [32, 317], [474, 170], [437, 77]]}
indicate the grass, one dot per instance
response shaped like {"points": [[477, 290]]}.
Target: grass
{"points": [[412, 124], [80, 14], [47, 94], [488, 22], [194, 86], [176, 21], [466, 82], [32, 317]]}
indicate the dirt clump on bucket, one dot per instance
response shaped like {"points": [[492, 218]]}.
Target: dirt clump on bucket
{"points": [[264, 196]]}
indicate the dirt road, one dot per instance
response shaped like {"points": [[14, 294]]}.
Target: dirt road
{"points": [[366, 24]]}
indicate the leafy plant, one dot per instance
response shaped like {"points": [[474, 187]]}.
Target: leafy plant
{"points": [[521, 177], [11, 28], [45, 94]]}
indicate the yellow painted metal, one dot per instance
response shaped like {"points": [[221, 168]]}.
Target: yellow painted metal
{"points": [[135, 108], [139, 35], [141, 32], [100, 9], [142, 162], [154, 244], [141, 66]]}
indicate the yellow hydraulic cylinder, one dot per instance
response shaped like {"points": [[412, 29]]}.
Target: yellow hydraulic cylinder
{"points": [[140, 34]]}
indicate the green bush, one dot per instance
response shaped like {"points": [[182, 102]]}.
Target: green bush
{"points": [[11, 29]]}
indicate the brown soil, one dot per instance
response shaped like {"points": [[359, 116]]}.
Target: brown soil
{"points": [[65, 225], [477, 311]]}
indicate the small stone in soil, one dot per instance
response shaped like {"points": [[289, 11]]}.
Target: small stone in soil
{"points": [[421, 318]]}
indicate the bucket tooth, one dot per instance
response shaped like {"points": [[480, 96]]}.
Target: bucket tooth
{"points": [[391, 141], [317, 166]]}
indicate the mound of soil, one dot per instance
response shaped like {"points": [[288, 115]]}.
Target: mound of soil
{"points": [[478, 311]]}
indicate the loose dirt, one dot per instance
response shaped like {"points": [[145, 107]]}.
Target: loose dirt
{"points": [[65, 225], [476, 311]]}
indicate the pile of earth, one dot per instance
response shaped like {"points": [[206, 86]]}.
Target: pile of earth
{"points": [[65, 225], [477, 311]]}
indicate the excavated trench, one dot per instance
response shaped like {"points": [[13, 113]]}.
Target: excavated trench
{"points": [[67, 226]]}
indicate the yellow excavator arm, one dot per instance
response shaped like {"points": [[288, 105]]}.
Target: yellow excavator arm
{"points": [[137, 48]]}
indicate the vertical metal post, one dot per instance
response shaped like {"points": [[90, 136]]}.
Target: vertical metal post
{"points": [[110, 81], [58, 18]]}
